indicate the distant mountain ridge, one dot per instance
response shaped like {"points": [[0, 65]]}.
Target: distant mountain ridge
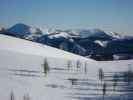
{"points": [[94, 43]]}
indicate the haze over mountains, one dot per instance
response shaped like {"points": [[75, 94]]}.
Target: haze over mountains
{"points": [[93, 43]]}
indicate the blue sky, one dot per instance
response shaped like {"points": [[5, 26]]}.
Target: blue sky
{"points": [[109, 15]]}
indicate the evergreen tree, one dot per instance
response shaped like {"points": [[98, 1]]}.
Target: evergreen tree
{"points": [[46, 67]]}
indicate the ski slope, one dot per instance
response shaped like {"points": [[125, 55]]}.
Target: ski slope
{"points": [[21, 73]]}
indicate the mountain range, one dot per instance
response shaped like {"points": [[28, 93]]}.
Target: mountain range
{"points": [[92, 43]]}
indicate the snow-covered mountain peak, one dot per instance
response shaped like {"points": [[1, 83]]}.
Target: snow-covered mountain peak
{"points": [[84, 33], [19, 29], [101, 43], [24, 30], [115, 35], [27, 32], [34, 30], [61, 34]]}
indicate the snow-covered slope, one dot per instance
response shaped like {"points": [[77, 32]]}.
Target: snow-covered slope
{"points": [[28, 47], [22, 76], [18, 54]]}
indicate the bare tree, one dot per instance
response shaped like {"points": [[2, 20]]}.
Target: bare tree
{"points": [[73, 81], [69, 64], [46, 67], [12, 97], [115, 80], [78, 64], [104, 89], [85, 67], [129, 75], [26, 97], [101, 74]]}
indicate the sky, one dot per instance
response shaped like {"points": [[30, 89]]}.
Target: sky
{"points": [[108, 15]]}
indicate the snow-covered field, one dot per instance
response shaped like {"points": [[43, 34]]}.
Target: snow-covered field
{"points": [[22, 74]]}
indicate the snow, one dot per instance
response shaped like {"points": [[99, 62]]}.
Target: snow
{"points": [[26, 30], [28, 47], [33, 30], [84, 33], [61, 34], [21, 72], [115, 35], [101, 43]]}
